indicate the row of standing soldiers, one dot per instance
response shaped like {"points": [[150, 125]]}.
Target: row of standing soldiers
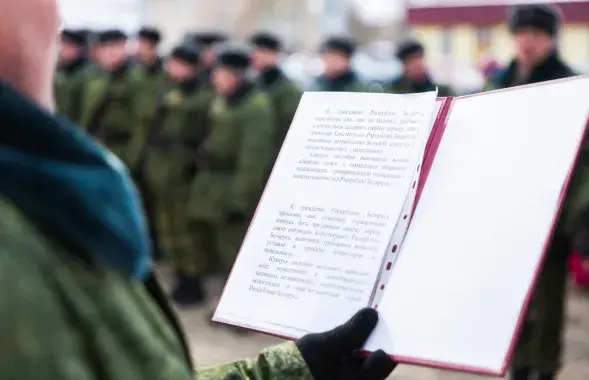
{"points": [[197, 130], [200, 137]]}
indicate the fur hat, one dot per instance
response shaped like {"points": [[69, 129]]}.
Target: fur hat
{"points": [[344, 45], [408, 48], [150, 34], [266, 41], [544, 17]]}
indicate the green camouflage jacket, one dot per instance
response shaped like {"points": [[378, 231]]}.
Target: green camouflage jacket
{"points": [[63, 318], [174, 135], [68, 88], [113, 110], [403, 85], [233, 161], [348, 82], [285, 97]]}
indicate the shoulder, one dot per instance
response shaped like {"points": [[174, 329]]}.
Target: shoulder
{"points": [[257, 100]]}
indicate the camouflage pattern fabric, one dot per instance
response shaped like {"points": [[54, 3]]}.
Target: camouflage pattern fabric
{"points": [[403, 85], [68, 89], [64, 318], [347, 82], [122, 128]]}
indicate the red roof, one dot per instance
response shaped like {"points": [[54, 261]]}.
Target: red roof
{"points": [[486, 14]]}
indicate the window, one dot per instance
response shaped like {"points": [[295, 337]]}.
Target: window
{"points": [[484, 37]]}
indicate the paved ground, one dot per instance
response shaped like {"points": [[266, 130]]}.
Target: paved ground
{"points": [[213, 345]]}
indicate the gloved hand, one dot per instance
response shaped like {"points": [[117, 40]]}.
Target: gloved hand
{"points": [[331, 355]]}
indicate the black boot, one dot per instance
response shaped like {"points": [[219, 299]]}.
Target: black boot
{"points": [[190, 291], [520, 374], [547, 376]]}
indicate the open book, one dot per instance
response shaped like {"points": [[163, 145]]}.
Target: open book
{"points": [[437, 212]]}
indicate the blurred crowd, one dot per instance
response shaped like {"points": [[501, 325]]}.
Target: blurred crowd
{"points": [[200, 128]]}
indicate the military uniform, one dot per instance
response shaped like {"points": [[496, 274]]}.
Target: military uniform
{"points": [[540, 344], [113, 110], [152, 78], [232, 164], [181, 125], [71, 77], [207, 41], [284, 94], [404, 85], [346, 81]]}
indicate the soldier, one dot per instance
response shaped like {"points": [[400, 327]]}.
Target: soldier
{"points": [[415, 77], [71, 74], [284, 94], [78, 296], [208, 42], [233, 162], [337, 53], [112, 109], [538, 355], [175, 135], [152, 74], [147, 51]]}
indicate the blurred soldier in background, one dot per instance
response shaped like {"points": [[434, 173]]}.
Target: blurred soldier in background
{"points": [[208, 42], [111, 106], [415, 76], [72, 72], [284, 94], [176, 133], [337, 54], [538, 356], [153, 84], [147, 52], [233, 162]]}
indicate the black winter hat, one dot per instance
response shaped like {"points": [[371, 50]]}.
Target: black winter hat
{"points": [[150, 34], [112, 35], [186, 53], [266, 41], [233, 56], [77, 37], [344, 45], [408, 48], [208, 39], [544, 17]]}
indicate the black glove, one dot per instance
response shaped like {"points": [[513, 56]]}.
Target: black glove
{"points": [[332, 355], [236, 218]]}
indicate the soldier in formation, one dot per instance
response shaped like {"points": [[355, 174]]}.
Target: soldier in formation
{"points": [[178, 129], [415, 77], [338, 75], [233, 161], [535, 30], [284, 94], [112, 102], [72, 73]]}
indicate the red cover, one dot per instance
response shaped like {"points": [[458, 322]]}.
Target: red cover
{"points": [[579, 272]]}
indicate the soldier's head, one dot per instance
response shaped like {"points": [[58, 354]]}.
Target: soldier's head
{"points": [[535, 29], [266, 52], [29, 40], [112, 48], [72, 46], [230, 68], [337, 53], [209, 42], [182, 64], [147, 48], [411, 53]]}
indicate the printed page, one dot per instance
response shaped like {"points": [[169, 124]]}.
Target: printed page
{"points": [[475, 244], [315, 247]]}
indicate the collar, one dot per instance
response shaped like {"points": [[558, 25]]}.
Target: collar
{"points": [[338, 82], [239, 94], [190, 85], [551, 68], [75, 65], [270, 76]]}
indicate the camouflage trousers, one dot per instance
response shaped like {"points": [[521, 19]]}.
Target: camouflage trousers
{"points": [[176, 240], [540, 343], [219, 243]]}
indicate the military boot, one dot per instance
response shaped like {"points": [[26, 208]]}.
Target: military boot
{"points": [[520, 374], [189, 290]]}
